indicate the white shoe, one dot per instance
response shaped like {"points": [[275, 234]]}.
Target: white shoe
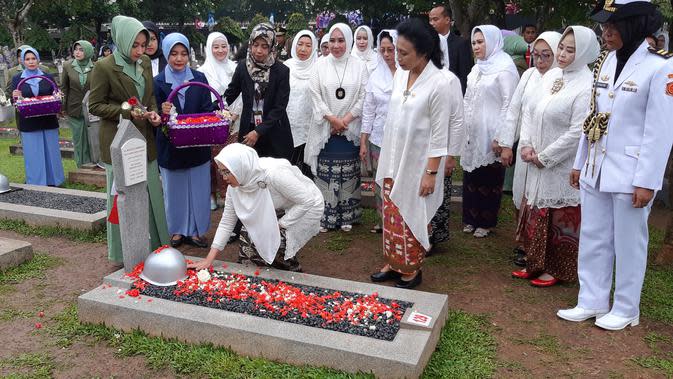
{"points": [[612, 322], [213, 203], [323, 230], [346, 228], [468, 229], [481, 233], [578, 314]]}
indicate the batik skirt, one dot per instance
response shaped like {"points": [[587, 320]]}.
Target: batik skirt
{"points": [[482, 194], [440, 222], [402, 251], [550, 237], [338, 177]]}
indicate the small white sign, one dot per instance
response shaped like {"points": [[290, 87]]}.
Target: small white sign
{"points": [[419, 319], [134, 160]]}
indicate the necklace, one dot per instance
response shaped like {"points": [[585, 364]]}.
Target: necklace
{"points": [[341, 92]]}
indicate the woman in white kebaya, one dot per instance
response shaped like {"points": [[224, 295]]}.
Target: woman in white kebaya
{"points": [[526, 95], [415, 144], [299, 111], [490, 86], [550, 219]]}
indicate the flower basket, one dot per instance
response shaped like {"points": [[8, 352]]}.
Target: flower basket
{"points": [[200, 129], [39, 106]]}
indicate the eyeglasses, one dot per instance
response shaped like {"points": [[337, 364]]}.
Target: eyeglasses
{"points": [[545, 56]]}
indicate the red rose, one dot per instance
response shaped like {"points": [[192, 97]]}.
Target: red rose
{"points": [[133, 101], [40, 314], [133, 292], [38, 325]]}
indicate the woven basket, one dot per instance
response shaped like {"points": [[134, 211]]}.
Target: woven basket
{"points": [[40, 105], [197, 134]]}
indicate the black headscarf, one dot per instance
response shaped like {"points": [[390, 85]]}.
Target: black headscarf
{"points": [[159, 54], [633, 31]]}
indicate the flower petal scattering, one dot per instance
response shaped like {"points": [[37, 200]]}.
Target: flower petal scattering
{"points": [[362, 314]]}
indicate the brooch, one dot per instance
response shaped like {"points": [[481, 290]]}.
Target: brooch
{"points": [[557, 86]]}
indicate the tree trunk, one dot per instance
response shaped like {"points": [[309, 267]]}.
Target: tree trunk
{"points": [[15, 22]]}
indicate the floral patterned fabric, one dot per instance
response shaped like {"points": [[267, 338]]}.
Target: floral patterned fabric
{"points": [[260, 71], [440, 223], [550, 237], [401, 249]]}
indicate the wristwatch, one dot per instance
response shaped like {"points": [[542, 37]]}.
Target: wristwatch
{"points": [[430, 172]]}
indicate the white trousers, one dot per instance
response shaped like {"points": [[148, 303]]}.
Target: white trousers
{"points": [[613, 236]]}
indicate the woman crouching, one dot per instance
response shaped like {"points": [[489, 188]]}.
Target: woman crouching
{"points": [[258, 187]]}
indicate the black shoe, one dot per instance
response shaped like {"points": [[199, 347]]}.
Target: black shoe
{"points": [[177, 242], [198, 242], [411, 283], [520, 258], [385, 276]]}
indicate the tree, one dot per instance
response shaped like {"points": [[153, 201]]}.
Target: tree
{"points": [[231, 29], [295, 23], [258, 19], [14, 14]]}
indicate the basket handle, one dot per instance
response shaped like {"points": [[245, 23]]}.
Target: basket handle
{"points": [[204, 85], [53, 85]]}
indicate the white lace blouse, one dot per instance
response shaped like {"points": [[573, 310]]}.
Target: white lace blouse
{"points": [[299, 109], [292, 192], [553, 127], [486, 103]]}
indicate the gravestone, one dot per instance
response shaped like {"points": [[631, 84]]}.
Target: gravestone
{"points": [[129, 162]]}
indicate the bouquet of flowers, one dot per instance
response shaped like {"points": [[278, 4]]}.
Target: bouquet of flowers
{"points": [[134, 105]]}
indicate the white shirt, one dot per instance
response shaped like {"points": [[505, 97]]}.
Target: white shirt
{"points": [[416, 130], [553, 126], [351, 73], [374, 114], [291, 191], [444, 46], [155, 67], [486, 103]]}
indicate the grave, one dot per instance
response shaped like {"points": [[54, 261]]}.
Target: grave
{"points": [[9, 133], [404, 357], [14, 252], [67, 149], [400, 351], [90, 174], [53, 206]]}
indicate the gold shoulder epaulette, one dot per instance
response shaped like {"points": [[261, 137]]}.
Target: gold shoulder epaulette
{"points": [[662, 53]]}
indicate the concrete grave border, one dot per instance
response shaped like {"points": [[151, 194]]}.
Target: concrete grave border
{"points": [[14, 252], [404, 357], [39, 216]]}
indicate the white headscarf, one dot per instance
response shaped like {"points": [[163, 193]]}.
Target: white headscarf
{"points": [[587, 48], [348, 36], [323, 40], [552, 39], [218, 73], [381, 79], [252, 200], [665, 34], [496, 59], [302, 70], [369, 55]]}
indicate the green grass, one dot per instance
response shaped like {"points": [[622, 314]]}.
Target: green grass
{"points": [[33, 366], [656, 300], [465, 350], [13, 314], [544, 343], [91, 236], [12, 166], [662, 358], [338, 241], [34, 268]]}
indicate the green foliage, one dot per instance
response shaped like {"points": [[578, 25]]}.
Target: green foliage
{"points": [[92, 236], [231, 29], [34, 268], [296, 23], [37, 37], [75, 33], [194, 37], [258, 19], [5, 37]]}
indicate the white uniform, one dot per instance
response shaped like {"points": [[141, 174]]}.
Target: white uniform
{"points": [[632, 153]]}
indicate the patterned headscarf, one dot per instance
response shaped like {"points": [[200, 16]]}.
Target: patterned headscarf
{"points": [[260, 71]]}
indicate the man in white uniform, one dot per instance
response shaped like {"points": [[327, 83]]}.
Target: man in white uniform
{"points": [[620, 163]]}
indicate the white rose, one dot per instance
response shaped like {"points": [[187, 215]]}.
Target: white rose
{"points": [[203, 276]]}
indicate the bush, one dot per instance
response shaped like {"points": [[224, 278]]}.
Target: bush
{"points": [[258, 19], [231, 29], [296, 23]]}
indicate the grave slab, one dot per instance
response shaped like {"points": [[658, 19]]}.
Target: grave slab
{"points": [[66, 152], [14, 252], [87, 175], [404, 357], [9, 133], [38, 216]]}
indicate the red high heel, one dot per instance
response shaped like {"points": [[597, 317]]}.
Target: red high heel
{"points": [[521, 274]]}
